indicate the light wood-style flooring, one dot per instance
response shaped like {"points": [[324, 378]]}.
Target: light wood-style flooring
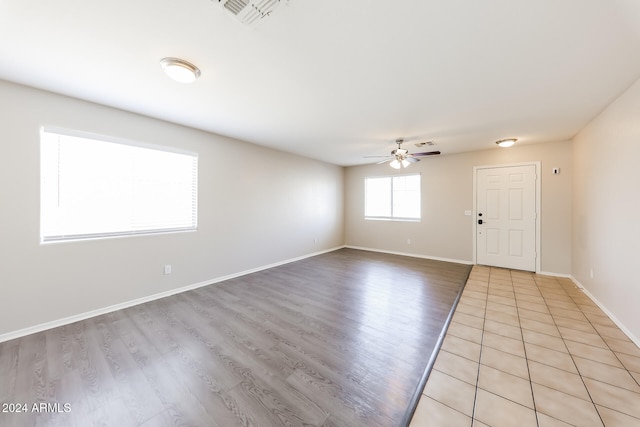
{"points": [[339, 339]]}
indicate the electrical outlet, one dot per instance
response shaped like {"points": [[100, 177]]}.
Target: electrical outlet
{"points": [[167, 269], [408, 241]]}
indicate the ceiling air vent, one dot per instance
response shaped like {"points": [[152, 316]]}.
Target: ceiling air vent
{"points": [[250, 12], [422, 144]]}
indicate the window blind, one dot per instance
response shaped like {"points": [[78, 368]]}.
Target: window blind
{"points": [[93, 188]]}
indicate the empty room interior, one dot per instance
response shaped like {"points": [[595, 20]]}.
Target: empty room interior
{"points": [[295, 213]]}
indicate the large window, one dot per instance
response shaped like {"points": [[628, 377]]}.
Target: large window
{"points": [[392, 197], [95, 187]]}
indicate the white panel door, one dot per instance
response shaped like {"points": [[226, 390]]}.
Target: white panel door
{"points": [[506, 217]]}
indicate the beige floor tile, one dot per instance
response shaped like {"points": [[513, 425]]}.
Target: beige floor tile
{"points": [[605, 373], [611, 332], [599, 319], [502, 291], [468, 320], [565, 407], [566, 304], [590, 352], [508, 309], [506, 344], [431, 413], [557, 359], [457, 367], [547, 421], [593, 309], [450, 391], [578, 325], [529, 298], [552, 292], [616, 398], [623, 346], [470, 309], [539, 308], [498, 304], [570, 314], [482, 303], [526, 290], [505, 385], [544, 340], [535, 315], [465, 332], [499, 316], [461, 347], [501, 300], [558, 379], [475, 294], [615, 418], [497, 411], [505, 362], [543, 328], [630, 362], [503, 329], [582, 337], [512, 325]]}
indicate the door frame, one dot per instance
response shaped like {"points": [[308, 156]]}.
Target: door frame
{"points": [[474, 213]]}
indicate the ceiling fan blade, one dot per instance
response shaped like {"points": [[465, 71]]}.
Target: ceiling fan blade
{"points": [[411, 159], [427, 153], [371, 157], [384, 161]]}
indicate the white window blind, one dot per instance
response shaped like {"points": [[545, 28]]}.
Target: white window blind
{"points": [[99, 188], [392, 197]]}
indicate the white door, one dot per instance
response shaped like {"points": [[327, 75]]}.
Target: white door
{"points": [[506, 217]]}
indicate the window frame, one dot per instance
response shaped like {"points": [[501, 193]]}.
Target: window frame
{"points": [[392, 217], [48, 237]]}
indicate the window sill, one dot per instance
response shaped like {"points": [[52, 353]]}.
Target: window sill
{"points": [[392, 219]]}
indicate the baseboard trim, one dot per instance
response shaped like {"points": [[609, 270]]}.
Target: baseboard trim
{"points": [[548, 273], [100, 311], [457, 261], [613, 318]]}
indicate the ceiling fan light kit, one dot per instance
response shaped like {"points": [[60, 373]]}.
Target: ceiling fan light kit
{"points": [[399, 164], [504, 143], [180, 70]]}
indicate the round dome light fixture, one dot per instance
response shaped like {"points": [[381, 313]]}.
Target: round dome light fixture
{"points": [[504, 143], [180, 70]]}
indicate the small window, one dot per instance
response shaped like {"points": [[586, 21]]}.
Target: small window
{"points": [[392, 197], [95, 187]]}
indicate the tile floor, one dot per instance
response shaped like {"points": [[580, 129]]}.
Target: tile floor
{"points": [[530, 350]]}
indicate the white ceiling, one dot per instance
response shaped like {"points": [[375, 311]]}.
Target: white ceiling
{"points": [[338, 80]]}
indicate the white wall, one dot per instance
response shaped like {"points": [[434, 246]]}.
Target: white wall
{"points": [[447, 191], [257, 206], [606, 203]]}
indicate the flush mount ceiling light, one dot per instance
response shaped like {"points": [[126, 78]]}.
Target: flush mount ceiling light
{"points": [[506, 142], [180, 70]]}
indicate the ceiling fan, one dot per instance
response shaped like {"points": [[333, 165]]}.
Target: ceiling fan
{"points": [[400, 157]]}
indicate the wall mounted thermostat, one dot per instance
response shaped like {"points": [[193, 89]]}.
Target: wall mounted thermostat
{"points": [[556, 171]]}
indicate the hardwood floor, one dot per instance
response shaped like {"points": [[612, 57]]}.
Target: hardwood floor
{"points": [[340, 339]]}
